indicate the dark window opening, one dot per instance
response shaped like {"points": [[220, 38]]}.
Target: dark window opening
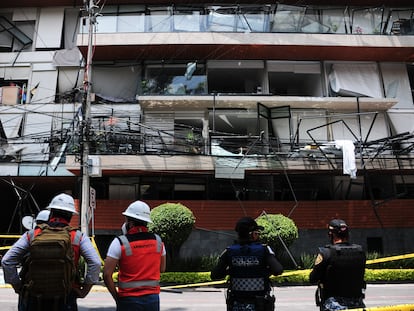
{"points": [[410, 70], [374, 245], [235, 81], [294, 84]]}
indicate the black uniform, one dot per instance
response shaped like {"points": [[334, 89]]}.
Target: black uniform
{"points": [[339, 272], [249, 265]]}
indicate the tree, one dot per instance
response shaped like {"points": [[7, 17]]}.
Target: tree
{"points": [[277, 228], [173, 222]]}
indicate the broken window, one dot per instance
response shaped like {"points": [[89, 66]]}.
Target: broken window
{"points": [[15, 35], [312, 22], [367, 20], [234, 132], [222, 19], [174, 79], [254, 19], [305, 120], [278, 123], [159, 19], [240, 18], [399, 22], [288, 18], [189, 127], [116, 83], [337, 19], [188, 19]]}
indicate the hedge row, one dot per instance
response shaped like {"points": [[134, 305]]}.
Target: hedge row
{"points": [[291, 277]]}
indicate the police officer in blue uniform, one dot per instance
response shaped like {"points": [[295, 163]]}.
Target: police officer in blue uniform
{"points": [[339, 271], [249, 265]]}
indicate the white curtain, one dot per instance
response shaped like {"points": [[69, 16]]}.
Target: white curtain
{"points": [[355, 80]]}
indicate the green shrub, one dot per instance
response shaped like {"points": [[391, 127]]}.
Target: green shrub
{"points": [[307, 261], [389, 275], [276, 228], [185, 277], [174, 223]]}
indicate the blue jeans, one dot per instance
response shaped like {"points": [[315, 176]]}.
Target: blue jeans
{"points": [[34, 304], [141, 303]]}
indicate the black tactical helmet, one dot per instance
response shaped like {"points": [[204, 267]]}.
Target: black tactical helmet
{"points": [[246, 225], [338, 226]]}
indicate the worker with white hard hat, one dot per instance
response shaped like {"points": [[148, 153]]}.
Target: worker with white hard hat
{"points": [[138, 284], [42, 217], [61, 210]]}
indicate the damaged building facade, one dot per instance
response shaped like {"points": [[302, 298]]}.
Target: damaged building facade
{"points": [[260, 107]]}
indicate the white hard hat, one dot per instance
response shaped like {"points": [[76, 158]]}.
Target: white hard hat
{"points": [[138, 210], [63, 202], [43, 216]]}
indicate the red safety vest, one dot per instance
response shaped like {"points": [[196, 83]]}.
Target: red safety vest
{"points": [[139, 265]]}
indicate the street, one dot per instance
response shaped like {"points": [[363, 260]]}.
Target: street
{"points": [[288, 298]]}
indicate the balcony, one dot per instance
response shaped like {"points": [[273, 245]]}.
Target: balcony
{"points": [[225, 32]]}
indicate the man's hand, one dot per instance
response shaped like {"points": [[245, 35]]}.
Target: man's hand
{"points": [[83, 290]]}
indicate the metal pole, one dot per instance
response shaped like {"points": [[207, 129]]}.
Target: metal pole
{"points": [[86, 108]]}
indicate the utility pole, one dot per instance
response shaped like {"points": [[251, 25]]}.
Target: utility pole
{"points": [[86, 110]]}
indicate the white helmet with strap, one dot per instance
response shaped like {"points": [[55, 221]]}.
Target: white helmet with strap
{"points": [[43, 216], [63, 202], [138, 210]]}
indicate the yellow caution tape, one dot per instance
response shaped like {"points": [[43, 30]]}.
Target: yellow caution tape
{"points": [[224, 281], [194, 285], [388, 308], [293, 272], [10, 236], [96, 248], [391, 258]]}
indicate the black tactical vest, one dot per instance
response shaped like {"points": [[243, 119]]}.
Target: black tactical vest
{"points": [[345, 271]]}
